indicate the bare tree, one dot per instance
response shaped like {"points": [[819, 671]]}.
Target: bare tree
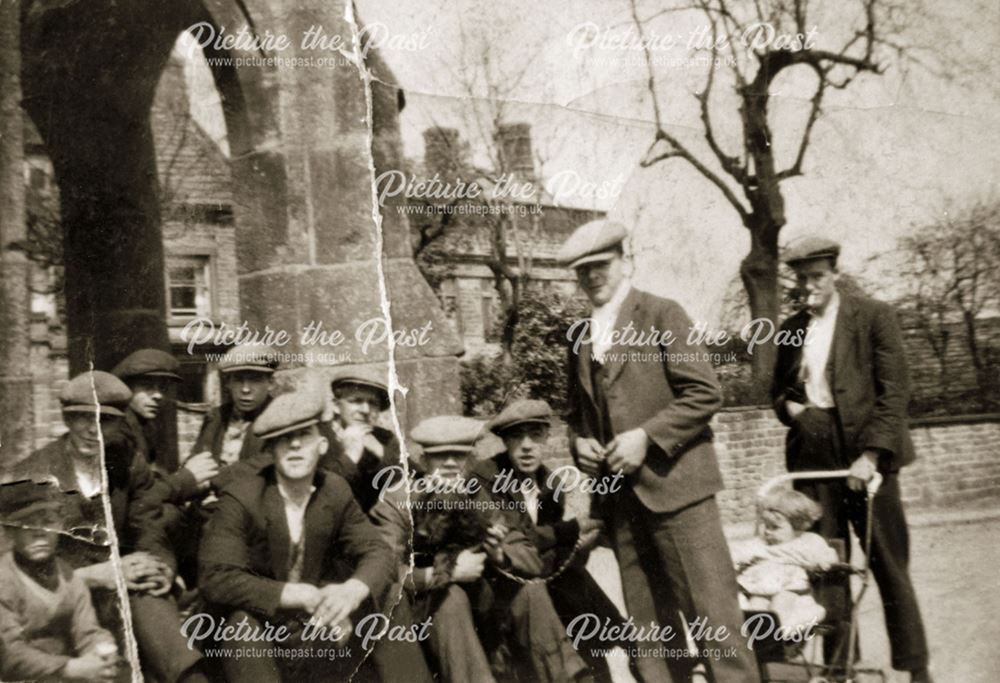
{"points": [[751, 177], [951, 273]]}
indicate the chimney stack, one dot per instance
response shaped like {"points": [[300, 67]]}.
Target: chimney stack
{"points": [[514, 145], [444, 153]]}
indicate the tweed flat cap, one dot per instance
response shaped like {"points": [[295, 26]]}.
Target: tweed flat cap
{"points": [[152, 362], [592, 242], [289, 412], [811, 248], [521, 412], [447, 433], [23, 500], [365, 376], [254, 357], [90, 392]]}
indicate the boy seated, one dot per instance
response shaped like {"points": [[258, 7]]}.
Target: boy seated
{"points": [[773, 567], [47, 621]]}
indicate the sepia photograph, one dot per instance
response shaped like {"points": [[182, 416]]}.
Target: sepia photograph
{"points": [[598, 341]]}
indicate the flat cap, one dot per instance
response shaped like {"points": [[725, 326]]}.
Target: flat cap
{"points": [[591, 242], [810, 248], [22, 500], [365, 376], [152, 362], [254, 357], [521, 412], [90, 392], [288, 412], [447, 433]]}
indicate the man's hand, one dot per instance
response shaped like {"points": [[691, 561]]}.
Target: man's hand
{"points": [[590, 455], [862, 470], [590, 530], [338, 600], [203, 467], [90, 667], [468, 566], [794, 409], [627, 451], [494, 542], [299, 596], [146, 573]]}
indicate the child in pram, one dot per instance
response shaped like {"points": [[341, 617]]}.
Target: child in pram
{"points": [[773, 568]]}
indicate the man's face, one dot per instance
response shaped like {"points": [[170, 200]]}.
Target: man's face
{"points": [[296, 454], [600, 279], [147, 396], [777, 528], [816, 281], [85, 430], [447, 465], [524, 444], [36, 540], [357, 404], [248, 389]]}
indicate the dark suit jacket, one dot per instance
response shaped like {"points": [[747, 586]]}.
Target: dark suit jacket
{"points": [[868, 378], [245, 550], [361, 475], [210, 438], [671, 392]]}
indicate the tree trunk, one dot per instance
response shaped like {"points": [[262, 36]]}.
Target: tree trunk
{"points": [[759, 272]]}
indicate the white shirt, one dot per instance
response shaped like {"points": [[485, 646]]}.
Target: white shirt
{"points": [[295, 513], [816, 354], [530, 494], [603, 318]]}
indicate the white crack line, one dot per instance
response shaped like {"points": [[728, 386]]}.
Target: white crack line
{"points": [[121, 589], [358, 59]]}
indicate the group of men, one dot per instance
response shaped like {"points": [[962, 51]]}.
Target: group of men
{"points": [[327, 551]]}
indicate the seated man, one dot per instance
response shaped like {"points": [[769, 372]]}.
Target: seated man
{"points": [[466, 557], [93, 406], [360, 448], [47, 623], [518, 475], [289, 545]]}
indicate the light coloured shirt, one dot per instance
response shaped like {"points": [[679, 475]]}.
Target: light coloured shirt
{"points": [[602, 321], [295, 513], [232, 440], [816, 354], [530, 494]]}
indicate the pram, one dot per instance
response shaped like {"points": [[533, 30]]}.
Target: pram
{"points": [[780, 658]]}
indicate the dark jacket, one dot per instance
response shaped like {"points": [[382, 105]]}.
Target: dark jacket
{"points": [[361, 475], [868, 378], [181, 481], [671, 392], [245, 552], [210, 438]]}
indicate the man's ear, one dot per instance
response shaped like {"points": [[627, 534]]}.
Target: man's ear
{"points": [[324, 445]]}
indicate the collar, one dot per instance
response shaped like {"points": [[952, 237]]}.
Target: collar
{"points": [[612, 305], [287, 497], [829, 311]]}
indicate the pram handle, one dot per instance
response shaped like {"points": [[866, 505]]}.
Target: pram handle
{"points": [[873, 484]]}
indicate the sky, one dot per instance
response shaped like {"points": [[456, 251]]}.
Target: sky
{"points": [[891, 152]]}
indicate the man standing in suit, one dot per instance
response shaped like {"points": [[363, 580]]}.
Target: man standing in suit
{"points": [[843, 393], [640, 400], [289, 546]]}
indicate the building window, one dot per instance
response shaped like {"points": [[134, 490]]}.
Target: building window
{"points": [[189, 287]]}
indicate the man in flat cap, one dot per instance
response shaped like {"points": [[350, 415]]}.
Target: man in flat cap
{"points": [[93, 408], [517, 474], [289, 545], [48, 627], [843, 393], [639, 407], [361, 448], [465, 550], [150, 375]]}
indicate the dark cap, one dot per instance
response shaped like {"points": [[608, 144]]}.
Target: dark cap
{"points": [[521, 412], [447, 433], [22, 500], [811, 248], [90, 392], [595, 241], [288, 412], [253, 357], [149, 362], [365, 376]]}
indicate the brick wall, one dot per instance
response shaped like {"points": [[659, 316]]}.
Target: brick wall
{"points": [[957, 460]]}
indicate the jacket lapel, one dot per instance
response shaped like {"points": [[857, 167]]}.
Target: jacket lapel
{"points": [[277, 530], [317, 531], [617, 353], [843, 332]]}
